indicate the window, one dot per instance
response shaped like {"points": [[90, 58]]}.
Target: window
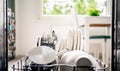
{"points": [[63, 7]]}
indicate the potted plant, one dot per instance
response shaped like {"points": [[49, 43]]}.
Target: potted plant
{"points": [[94, 12]]}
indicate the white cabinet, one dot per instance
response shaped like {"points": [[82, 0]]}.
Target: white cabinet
{"points": [[94, 23], [97, 37]]}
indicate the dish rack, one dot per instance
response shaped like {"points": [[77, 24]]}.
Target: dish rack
{"points": [[24, 65]]}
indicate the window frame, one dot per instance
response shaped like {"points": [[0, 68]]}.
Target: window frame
{"points": [[39, 11]]}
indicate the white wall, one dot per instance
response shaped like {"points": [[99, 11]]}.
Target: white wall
{"points": [[28, 29], [29, 25]]}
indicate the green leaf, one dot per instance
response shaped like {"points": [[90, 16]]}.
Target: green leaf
{"points": [[44, 1], [44, 10], [94, 12]]}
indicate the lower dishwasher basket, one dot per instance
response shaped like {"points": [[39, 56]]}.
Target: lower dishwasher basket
{"points": [[24, 65]]}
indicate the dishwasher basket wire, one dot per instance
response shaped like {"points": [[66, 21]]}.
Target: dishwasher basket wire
{"points": [[24, 65]]}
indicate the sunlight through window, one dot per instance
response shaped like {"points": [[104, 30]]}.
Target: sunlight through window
{"points": [[82, 7]]}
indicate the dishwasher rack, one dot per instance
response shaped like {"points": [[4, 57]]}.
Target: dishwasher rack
{"points": [[24, 65]]}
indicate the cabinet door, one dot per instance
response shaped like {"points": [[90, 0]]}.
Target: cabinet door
{"points": [[2, 36], [118, 36], [116, 32]]}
